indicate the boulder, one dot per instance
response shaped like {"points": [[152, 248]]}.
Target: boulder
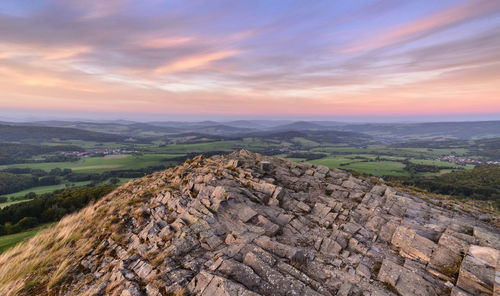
{"points": [[478, 271]]}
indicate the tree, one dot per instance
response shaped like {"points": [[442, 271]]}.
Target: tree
{"points": [[27, 222], [30, 195]]}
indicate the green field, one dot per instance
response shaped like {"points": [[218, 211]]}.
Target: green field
{"points": [[92, 165], [85, 144], [45, 189], [376, 168], [102, 164], [377, 164], [332, 161], [393, 151], [442, 163], [10, 240], [6, 204]]}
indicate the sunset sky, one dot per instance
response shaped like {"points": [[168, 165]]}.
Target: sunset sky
{"points": [[153, 59]]}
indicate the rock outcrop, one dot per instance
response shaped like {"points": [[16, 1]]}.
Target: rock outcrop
{"points": [[245, 224]]}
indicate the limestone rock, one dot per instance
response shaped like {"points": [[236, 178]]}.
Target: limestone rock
{"points": [[479, 272]]}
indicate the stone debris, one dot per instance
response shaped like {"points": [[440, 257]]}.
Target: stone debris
{"points": [[246, 224]]}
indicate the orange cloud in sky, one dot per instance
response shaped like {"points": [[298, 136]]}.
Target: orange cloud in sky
{"points": [[166, 42], [43, 52], [64, 53]]}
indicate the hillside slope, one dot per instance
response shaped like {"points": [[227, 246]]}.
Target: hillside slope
{"points": [[38, 134], [245, 224]]}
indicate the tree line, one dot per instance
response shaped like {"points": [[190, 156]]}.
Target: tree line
{"points": [[23, 153], [17, 179], [481, 182], [48, 207]]}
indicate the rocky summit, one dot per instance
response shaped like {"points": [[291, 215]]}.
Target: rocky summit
{"points": [[246, 224]]}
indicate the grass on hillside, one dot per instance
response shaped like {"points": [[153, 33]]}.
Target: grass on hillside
{"points": [[61, 245]]}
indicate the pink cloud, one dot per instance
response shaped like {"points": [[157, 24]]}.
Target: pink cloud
{"points": [[427, 25], [165, 42], [194, 61]]}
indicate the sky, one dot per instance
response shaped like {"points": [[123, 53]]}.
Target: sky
{"points": [[197, 60]]}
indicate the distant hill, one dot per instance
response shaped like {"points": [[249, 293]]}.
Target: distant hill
{"points": [[257, 124], [326, 136], [299, 126], [457, 130], [205, 127], [192, 137], [38, 134], [395, 132], [221, 129], [128, 129], [145, 127]]}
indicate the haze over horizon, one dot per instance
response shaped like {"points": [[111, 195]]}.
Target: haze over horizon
{"points": [[371, 61], [35, 115]]}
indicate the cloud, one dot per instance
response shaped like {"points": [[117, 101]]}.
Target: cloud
{"points": [[152, 56], [165, 42], [194, 62], [92, 9], [428, 25]]}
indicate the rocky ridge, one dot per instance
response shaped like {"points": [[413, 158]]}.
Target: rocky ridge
{"points": [[246, 224]]}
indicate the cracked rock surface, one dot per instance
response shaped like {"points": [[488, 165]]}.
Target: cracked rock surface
{"points": [[246, 224]]}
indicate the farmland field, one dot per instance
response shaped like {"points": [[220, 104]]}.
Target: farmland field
{"points": [[102, 164]]}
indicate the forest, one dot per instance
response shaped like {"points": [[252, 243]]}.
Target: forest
{"points": [[17, 179], [48, 207], [480, 183], [23, 153]]}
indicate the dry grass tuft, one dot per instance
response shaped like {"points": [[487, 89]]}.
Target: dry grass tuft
{"points": [[51, 255]]}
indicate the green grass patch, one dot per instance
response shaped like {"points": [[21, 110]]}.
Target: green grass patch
{"points": [[10, 240], [378, 168], [332, 161]]}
